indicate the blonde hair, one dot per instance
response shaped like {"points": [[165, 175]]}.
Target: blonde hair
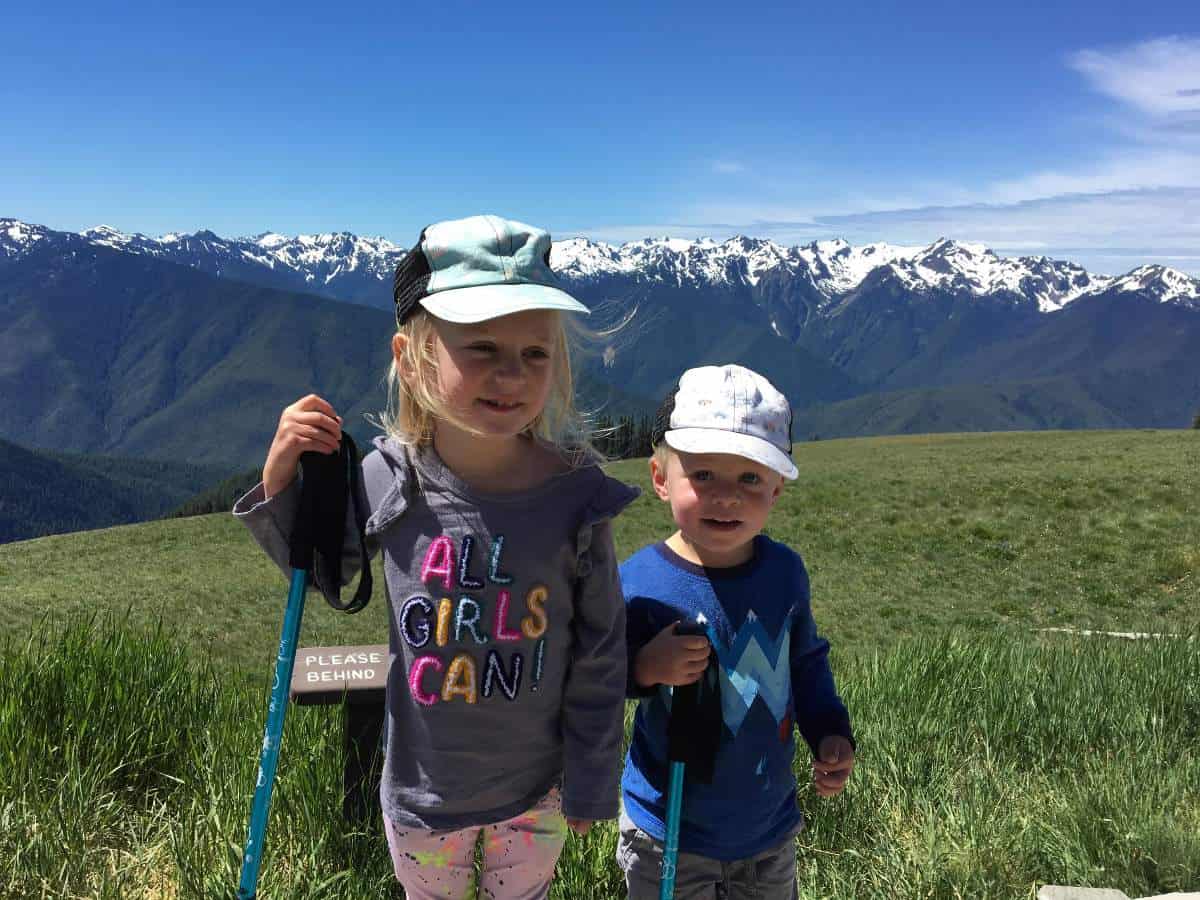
{"points": [[414, 406], [662, 454]]}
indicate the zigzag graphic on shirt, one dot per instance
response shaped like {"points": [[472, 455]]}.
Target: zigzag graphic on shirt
{"points": [[754, 665]]}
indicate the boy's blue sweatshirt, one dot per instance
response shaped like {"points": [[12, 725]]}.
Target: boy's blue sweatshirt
{"points": [[774, 672]]}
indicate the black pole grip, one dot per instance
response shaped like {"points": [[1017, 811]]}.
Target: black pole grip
{"points": [[694, 728], [321, 517]]}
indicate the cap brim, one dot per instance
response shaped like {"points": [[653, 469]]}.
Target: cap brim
{"points": [[717, 440], [490, 301]]}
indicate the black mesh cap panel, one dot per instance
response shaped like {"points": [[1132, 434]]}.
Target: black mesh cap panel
{"points": [[411, 282]]}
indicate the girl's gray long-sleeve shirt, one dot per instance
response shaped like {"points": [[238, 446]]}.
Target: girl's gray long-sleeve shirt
{"points": [[507, 636]]}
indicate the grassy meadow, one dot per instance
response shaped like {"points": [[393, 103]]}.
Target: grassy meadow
{"points": [[994, 756]]}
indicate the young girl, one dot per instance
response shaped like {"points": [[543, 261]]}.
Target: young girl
{"points": [[505, 693]]}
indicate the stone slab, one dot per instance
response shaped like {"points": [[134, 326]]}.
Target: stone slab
{"points": [[1061, 892]]}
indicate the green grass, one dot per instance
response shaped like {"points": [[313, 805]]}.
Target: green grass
{"points": [[987, 767], [901, 535], [994, 757]]}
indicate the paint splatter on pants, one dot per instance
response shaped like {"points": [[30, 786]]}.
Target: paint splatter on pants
{"points": [[518, 856]]}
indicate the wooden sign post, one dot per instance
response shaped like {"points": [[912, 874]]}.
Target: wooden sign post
{"points": [[356, 678]]}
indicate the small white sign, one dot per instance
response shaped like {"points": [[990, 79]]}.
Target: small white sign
{"points": [[332, 670]]}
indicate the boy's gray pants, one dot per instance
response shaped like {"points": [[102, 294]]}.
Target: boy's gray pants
{"points": [[771, 875]]}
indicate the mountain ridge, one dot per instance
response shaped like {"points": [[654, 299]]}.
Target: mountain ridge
{"points": [[346, 266], [46, 492], [117, 351]]}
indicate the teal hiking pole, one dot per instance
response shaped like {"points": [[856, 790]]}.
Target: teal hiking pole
{"points": [[327, 481], [666, 884], [692, 735], [284, 662]]}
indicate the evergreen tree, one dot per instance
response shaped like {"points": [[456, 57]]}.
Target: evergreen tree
{"points": [[602, 435], [641, 443]]}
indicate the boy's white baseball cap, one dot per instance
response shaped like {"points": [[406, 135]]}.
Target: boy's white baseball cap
{"points": [[478, 268], [731, 409]]}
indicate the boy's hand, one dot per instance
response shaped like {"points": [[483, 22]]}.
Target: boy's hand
{"points": [[580, 826], [671, 658], [833, 765], [308, 424]]}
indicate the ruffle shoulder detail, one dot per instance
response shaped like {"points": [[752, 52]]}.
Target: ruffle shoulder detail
{"points": [[387, 480], [610, 497]]}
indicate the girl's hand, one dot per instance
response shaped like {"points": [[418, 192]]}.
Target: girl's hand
{"points": [[833, 765], [671, 658], [580, 826], [308, 424]]}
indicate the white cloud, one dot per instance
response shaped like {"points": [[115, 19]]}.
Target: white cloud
{"points": [[727, 167], [1162, 220], [1160, 78], [1126, 171]]}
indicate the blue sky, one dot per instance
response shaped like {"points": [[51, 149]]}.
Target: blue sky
{"points": [[1071, 129]]}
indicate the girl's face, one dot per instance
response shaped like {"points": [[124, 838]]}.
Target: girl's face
{"points": [[495, 376]]}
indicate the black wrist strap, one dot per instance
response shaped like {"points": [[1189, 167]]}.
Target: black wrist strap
{"points": [[327, 480]]}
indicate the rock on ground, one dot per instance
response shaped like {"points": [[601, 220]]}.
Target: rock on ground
{"points": [[1060, 892]]}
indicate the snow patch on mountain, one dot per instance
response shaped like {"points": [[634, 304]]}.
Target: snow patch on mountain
{"points": [[1165, 284], [317, 258], [971, 268], [738, 260], [838, 268], [325, 256], [17, 238]]}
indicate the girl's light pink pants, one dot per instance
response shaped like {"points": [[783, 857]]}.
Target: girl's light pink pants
{"points": [[518, 856]]}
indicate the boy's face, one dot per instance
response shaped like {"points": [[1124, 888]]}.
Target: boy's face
{"points": [[719, 502]]}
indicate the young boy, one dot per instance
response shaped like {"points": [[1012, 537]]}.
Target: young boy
{"points": [[722, 453]]}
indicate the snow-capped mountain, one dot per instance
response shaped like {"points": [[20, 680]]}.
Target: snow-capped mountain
{"points": [[340, 265], [835, 269], [1164, 284], [886, 338], [18, 238], [349, 267], [319, 258]]}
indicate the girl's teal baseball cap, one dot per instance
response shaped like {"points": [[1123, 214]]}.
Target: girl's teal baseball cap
{"points": [[478, 268]]}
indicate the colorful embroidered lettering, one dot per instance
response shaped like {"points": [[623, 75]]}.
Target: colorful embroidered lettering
{"points": [[533, 627], [460, 679], [500, 625], [445, 607], [494, 574], [439, 561], [467, 616], [494, 672], [539, 653], [421, 637], [420, 664], [465, 581]]}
